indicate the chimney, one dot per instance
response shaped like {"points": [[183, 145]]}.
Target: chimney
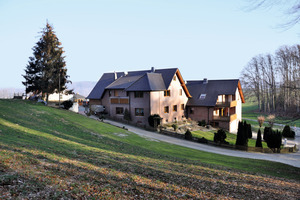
{"points": [[152, 70], [116, 76], [205, 81]]}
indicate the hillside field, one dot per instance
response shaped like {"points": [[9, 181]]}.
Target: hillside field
{"points": [[47, 153]]}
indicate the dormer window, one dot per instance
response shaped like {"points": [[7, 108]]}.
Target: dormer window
{"points": [[202, 96]]}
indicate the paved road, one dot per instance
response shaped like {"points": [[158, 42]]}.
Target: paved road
{"points": [[292, 159]]}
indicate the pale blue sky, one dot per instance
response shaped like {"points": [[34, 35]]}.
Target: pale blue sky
{"points": [[204, 39]]}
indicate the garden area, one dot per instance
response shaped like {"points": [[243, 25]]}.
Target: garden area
{"points": [[264, 137]]}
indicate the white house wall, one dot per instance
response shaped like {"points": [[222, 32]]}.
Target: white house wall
{"points": [[158, 102]]}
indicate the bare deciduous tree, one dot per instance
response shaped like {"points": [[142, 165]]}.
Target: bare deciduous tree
{"points": [[275, 80], [290, 8]]}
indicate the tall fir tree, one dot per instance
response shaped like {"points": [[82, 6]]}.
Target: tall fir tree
{"points": [[258, 139], [46, 70]]}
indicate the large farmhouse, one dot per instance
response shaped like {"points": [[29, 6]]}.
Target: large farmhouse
{"points": [[164, 92]]}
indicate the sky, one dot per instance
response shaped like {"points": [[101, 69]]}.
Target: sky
{"points": [[204, 39]]}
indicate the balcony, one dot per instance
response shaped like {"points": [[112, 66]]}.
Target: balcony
{"points": [[225, 118], [226, 104], [119, 100]]}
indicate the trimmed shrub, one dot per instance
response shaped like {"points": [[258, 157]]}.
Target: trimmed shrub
{"points": [[274, 141], [67, 104], [249, 130], [203, 140], [258, 139], [188, 135], [151, 119], [127, 115], [267, 133], [202, 123], [242, 135], [287, 132], [220, 137], [174, 126]]}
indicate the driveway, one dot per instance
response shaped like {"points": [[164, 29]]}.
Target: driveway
{"points": [[292, 159]]}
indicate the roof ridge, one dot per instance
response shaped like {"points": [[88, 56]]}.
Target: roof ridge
{"points": [[136, 81], [156, 74]]}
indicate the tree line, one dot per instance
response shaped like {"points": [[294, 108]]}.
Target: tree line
{"points": [[275, 80]]}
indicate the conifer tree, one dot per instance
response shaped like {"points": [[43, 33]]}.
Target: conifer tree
{"points": [[46, 70], [258, 139]]}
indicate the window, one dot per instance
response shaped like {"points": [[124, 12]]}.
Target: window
{"points": [[119, 110], [180, 92], [167, 93], [174, 78], [109, 93], [182, 106], [138, 94], [175, 108], [191, 110], [139, 112], [166, 109], [202, 96]]}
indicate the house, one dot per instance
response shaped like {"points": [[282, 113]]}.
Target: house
{"points": [[54, 97], [164, 92], [142, 93], [218, 102]]}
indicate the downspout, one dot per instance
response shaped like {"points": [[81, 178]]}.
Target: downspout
{"points": [[149, 104], [207, 115]]}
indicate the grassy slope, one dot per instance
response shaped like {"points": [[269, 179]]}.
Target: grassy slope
{"points": [[49, 153]]}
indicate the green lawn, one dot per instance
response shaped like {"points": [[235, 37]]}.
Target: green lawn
{"points": [[250, 111], [47, 153], [231, 138]]}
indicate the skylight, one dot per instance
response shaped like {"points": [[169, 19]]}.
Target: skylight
{"points": [[202, 96]]}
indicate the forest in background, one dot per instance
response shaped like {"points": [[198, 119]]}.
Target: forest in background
{"points": [[274, 80]]}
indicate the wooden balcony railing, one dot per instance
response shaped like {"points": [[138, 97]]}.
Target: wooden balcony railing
{"points": [[119, 100], [225, 118], [226, 104]]}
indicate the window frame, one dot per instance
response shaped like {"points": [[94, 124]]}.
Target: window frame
{"points": [[138, 94], [167, 93], [140, 112], [119, 113], [175, 108], [191, 110], [182, 106], [202, 96], [166, 109]]}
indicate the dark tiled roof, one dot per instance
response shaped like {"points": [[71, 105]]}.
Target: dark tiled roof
{"points": [[138, 73], [148, 82], [104, 81], [144, 80], [124, 82], [212, 89], [167, 75]]}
